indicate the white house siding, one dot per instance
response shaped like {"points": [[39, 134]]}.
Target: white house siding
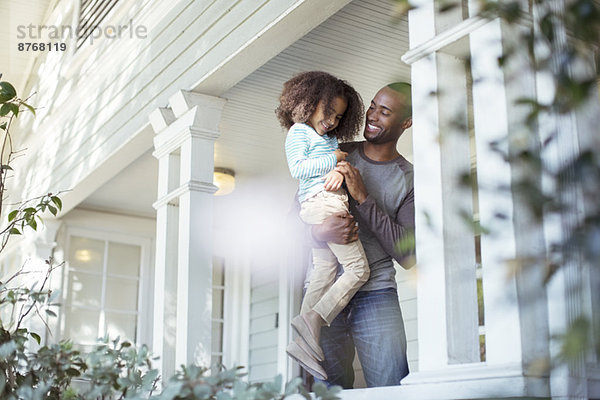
{"points": [[94, 101], [407, 292], [264, 307]]}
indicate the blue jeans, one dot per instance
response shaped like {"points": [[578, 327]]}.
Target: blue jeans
{"points": [[371, 323]]}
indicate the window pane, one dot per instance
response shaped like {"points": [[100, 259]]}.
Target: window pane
{"points": [[124, 259], [121, 294], [122, 325], [86, 254], [82, 325], [217, 337], [217, 303], [85, 289], [218, 276]]}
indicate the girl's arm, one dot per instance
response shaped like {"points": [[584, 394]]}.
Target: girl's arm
{"points": [[301, 166]]}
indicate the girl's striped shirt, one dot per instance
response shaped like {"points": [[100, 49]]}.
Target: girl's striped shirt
{"points": [[310, 156]]}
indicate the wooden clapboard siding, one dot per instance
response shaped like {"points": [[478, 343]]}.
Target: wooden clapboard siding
{"points": [[264, 305], [94, 108], [407, 293]]}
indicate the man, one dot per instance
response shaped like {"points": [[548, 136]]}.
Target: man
{"points": [[380, 182]]}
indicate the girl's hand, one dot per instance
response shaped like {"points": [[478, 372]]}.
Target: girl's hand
{"points": [[354, 183], [333, 181], [340, 155]]}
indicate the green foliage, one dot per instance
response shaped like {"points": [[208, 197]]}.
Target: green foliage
{"points": [[112, 369], [194, 382]]}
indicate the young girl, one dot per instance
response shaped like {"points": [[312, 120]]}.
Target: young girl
{"points": [[318, 109]]}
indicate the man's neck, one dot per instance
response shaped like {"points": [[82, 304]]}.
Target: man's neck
{"points": [[381, 152]]}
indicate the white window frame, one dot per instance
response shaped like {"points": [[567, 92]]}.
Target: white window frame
{"points": [[236, 311], [144, 317]]}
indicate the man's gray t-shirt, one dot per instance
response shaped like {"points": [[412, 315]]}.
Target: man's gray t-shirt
{"points": [[387, 215]]}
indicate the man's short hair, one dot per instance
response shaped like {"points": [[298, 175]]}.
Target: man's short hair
{"points": [[404, 89]]}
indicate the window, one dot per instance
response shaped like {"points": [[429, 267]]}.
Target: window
{"points": [[102, 288], [218, 316]]}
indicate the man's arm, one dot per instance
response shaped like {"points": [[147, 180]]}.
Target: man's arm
{"points": [[394, 233], [338, 228]]}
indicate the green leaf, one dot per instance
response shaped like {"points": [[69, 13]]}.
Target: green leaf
{"points": [[14, 108], [9, 107], [53, 210], [30, 108], [51, 313], [3, 126], [202, 391], [37, 337], [6, 166], [7, 92], [149, 378], [56, 200], [32, 224], [5, 109], [14, 231], [224, 396], [7, 349], [8, 89], [12, 215]]}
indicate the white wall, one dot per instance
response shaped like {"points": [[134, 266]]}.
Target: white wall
{"points": [[95, 100]]}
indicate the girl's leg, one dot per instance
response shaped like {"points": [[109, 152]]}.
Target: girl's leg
{"points": [[321, 278], [309, 322], [356, 273]]}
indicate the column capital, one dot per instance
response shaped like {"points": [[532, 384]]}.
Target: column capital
{"points": [[189, 114], [161, 118], [183, 101]]}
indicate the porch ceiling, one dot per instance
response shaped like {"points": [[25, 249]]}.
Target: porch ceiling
{"points": [[361, 44]]}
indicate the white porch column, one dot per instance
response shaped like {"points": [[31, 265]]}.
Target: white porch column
{"points": [[184, 146], [516, 327], [446, 288], [516, 320]]}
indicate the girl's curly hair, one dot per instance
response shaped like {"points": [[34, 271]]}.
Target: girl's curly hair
{"points": [[302, 93]]}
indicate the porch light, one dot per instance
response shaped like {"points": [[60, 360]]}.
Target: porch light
{"points": [[224, 179]]}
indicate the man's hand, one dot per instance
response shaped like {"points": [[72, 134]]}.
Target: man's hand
{"points": [[340, 155], [333, 181], [338, 228], [354, 183]]}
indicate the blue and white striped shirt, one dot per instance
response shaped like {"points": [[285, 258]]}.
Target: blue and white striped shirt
{"points": [[310, 156]]}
